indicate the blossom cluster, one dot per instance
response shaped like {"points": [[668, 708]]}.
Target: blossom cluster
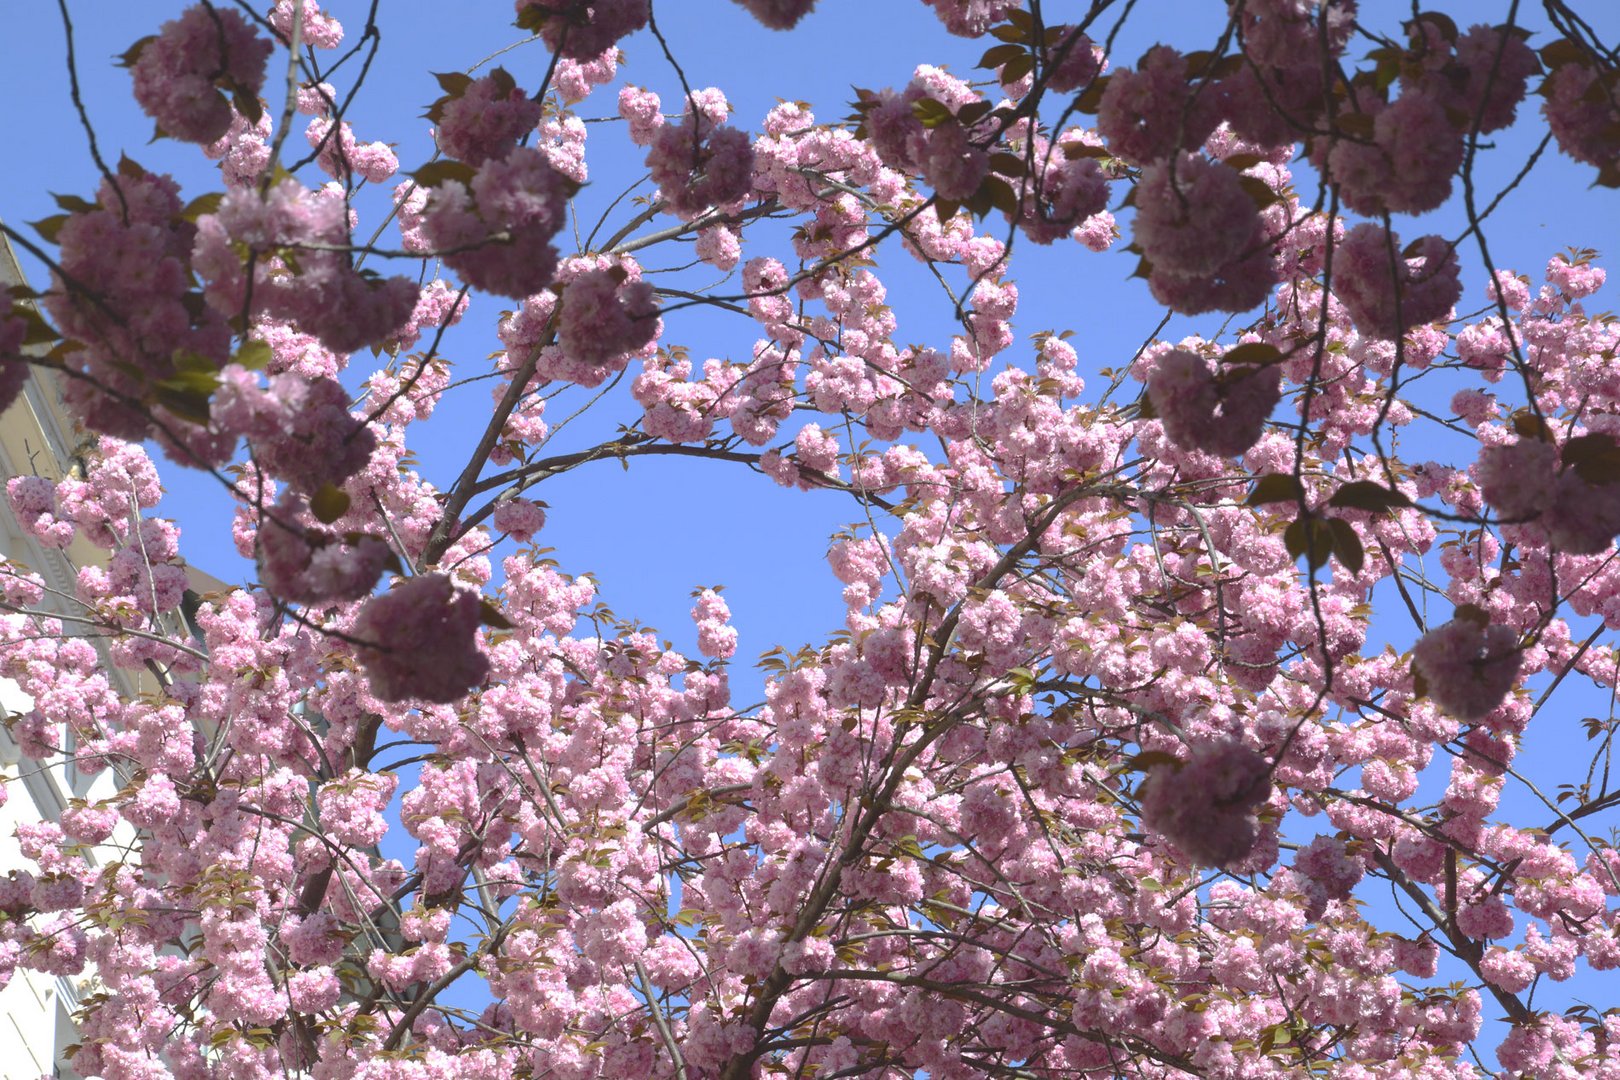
{"points": [[1110, 747]]}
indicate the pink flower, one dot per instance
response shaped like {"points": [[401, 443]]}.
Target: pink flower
{"points": [[1206, 805], [605, 316], [182, 75], [1220, 415], [1518, 478], [314, 990], [1581, 112], [1575, 279], [1372, 275], [641, 108], [351, 806], [1193, 216], [715, 638], [1149, 113], [319, 29], [486, 119], [322, 294], [341, 156], [1407, 166], [1082, 59], [1064, 198], [421, 641], [699, 163], [305, 564], [778, 14], [1330, 871], [952, 163], [1469, 667], [1499, 63], [154, 803], [497, 234], [582, 29], [518, 518]]}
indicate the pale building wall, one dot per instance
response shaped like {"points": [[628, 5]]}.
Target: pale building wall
{"points": [[36, 1010], [37, 438]]}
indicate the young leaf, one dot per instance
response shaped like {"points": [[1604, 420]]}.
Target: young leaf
{"points": [[1310, 539], [1255, 352], [1347, 545], [1369, 496], [329, 503], [1273, 488], [454, 83]]}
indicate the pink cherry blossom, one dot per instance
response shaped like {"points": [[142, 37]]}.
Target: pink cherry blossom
{"points": [[184, 76], [1385, 290], [421, 615], [1206, 805]]}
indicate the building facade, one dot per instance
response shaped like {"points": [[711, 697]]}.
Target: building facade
{"points": [[38, 438]]}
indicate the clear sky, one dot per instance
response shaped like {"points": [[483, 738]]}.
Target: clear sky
{"points": [[651, 534]]}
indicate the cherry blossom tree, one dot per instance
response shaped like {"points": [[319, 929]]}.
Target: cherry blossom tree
{"points": [[1096, 777]]}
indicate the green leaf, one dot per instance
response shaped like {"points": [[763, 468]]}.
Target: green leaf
{"points": [[490, 614], [190, 364], [203, 204], [1259, 191], [931, 113], [1017, 68], [329, 503], [254, 355], [974, 111], [36, 331], [1008, 165], [1531, 426], [1255, 352], [1275, 488], [1008, 33], [1073, 150], [945, 209], [435, 173], [981, 201], [1347, 545], [1369, 496], [1441, 22], [1595, 458], [455, 83], [997, 55], [532, 18], [73, 204], [1356, 124], [1000, 194], [247, 103], [50, 227], [132, 54], [186, 403], [1151, 759], [1310, 539], [1564, 51], [1090, 100], [1472, 613]]}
